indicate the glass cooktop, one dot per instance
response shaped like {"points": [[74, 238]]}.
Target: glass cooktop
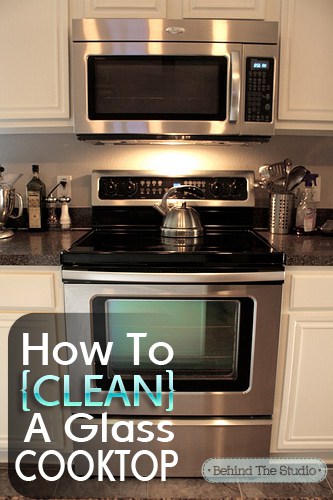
{"points": [[136, 249]]}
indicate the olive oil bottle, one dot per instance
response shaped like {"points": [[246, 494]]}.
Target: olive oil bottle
{"points": [[35, 193]]}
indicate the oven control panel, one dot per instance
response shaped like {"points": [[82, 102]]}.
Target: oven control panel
{"points": [[110, 188], [224, 188]]}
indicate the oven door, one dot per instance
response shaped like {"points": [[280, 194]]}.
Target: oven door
{"points": [[219, 340]]}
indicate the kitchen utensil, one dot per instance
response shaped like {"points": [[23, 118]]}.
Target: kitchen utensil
{"points": [[7, 204], [264, 173], [276, 172], [295, 177], [271, 173], [180, 221], [289, 165]]}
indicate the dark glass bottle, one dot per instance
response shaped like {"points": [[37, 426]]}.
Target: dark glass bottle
{"points": [[36, 201]]}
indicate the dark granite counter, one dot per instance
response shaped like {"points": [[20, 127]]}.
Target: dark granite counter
{"points": [[43, 249], [312, 250], [26, 248]]}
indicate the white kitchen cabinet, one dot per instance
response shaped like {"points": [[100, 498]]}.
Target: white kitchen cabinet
{"points": [[124, 8], [34, 77], [176, 9], [26, 290], [306, 66], [303, 414], [225, 9]]}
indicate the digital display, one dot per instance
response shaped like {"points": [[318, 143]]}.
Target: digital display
{"points": [[259, 65]]}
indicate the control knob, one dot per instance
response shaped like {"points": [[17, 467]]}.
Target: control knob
{"points": [[130, 187], [232, 188], [216, 188], [107, 188]]}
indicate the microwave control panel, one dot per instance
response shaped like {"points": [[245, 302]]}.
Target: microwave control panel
{"points": [[259, 89]]}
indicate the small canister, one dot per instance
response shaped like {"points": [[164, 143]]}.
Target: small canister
{"points": [[281, 213]]}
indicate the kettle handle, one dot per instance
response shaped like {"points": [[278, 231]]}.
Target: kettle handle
{"points": [[185, 187], [20, 206], [163, 207]]}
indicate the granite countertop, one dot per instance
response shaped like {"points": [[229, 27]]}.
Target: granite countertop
{"points": [[43, 249], [26, 248], [311, 250]]}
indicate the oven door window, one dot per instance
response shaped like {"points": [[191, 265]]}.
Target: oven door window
{"points": [[157, 87], [211, 340]]}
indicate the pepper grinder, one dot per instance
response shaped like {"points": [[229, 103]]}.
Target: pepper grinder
{"points": [[65, 220], [52, 220]]}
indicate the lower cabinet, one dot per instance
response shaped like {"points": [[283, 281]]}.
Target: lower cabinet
{"points": [[303, 415], [26, 290]]}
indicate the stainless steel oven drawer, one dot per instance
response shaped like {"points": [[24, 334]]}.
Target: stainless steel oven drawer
{"points": [[195, 441]]}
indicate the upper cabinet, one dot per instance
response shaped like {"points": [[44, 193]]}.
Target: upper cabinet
{"points": [[176, 9], [225, 9], [306, 66], [34, 77], [125, 8]]}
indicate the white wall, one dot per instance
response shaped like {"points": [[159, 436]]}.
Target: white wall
{"points": [[63, 154]]}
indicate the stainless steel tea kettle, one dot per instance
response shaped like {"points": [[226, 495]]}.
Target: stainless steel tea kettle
{"points": [[7, 204], [180, 221]]}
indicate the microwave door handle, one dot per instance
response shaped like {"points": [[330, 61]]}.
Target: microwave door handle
{"points": [[235, 87]]}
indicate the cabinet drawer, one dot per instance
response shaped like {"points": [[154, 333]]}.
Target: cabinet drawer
{"points": [[311, 291], [27, 292]]}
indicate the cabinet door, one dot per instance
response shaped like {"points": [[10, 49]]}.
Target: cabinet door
{"points": [[34, 60], [306, 65], [125, 8], [26, 290], [6, 321], [225, 9], [306, 421]]}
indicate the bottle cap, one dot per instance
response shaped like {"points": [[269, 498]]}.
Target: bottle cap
{"points": [[35, 168], [310, 180]]}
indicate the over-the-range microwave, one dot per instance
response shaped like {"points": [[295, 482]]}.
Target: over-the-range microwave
{"points": [[146, 80]]}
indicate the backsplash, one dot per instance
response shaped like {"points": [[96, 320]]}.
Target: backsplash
{"points": [[60, 154]]}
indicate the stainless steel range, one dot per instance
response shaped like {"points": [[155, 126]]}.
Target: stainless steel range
{"points": [[192, 321]]}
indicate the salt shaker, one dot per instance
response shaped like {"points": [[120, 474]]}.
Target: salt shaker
{"points": [[65, 220]]}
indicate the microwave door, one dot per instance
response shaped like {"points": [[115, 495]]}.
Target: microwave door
{"points": [[175, 92]]}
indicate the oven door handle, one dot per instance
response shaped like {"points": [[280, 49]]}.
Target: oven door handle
{"points": [[132, 277]]}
